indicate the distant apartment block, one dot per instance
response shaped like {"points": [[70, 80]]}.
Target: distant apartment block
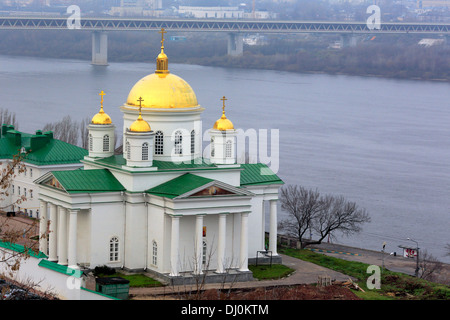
{"points": [[422, 4], [222, 13], [151, 8]]}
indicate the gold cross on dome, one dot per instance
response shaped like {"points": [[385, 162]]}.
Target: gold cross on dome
{"points": [[140, 104], [101, 94], [163, 31], [223, 101]]}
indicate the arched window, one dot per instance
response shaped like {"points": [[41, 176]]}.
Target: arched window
{"points": [[155, 253], [159, 142], [106, 143], [128, 149], [192, 141], [178, 142], [213, 151], [114, 249], [90, 142], [228, 149], [145, 151]]}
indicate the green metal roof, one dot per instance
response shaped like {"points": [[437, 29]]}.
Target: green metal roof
{"points": [[60, 268], [81, 181], [258, 174], [42, 148], [178, 186], [117, 161], [21, 249]]}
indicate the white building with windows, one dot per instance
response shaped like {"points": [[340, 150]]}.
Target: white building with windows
{"points": [[41, 154], [160, 206]]}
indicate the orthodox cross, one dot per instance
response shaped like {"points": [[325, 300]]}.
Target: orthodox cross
{"points": [[162, 36], [101, 94], [223, 101], [140, 103]]}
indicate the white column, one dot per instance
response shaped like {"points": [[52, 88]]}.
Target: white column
{"points": [[221, 243], [43, 235], [62, 236], [273, 227], [198, 244], [174, 245], [243, 261], [73, 217], [53, 233]]}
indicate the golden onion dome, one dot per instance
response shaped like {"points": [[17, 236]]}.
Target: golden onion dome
{"points": [[162, 90], [223, 123], [101, 117], [165, 91], [140, 125]]}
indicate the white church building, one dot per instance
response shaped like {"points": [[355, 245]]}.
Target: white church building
{"points": [[160, 206]]}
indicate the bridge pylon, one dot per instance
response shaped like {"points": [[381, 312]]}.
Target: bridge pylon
{"points": [[99, 48], [235, 44]]}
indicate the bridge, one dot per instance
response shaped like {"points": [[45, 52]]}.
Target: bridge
{"points": [[235, 28]]}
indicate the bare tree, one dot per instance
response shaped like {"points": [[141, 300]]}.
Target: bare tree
{"points": [[65, 130], [7, 117], [308, 210], [10, 232], [303, 206], [84, 132], [337, 214], [429, 266]]}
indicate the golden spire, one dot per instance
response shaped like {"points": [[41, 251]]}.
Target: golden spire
{"points": [[162, 62], [101, 117], [223, 123], [140, 125]]}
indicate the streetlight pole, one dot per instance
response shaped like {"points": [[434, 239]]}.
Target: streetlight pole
{"points": [[417, 256]]}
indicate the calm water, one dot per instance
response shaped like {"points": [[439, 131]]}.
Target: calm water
{"points": [[384, 144]]}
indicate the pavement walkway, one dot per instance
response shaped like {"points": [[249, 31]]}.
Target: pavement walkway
{"points": [[305, 272]]}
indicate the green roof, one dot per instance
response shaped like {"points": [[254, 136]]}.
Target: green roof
{"points": [[258, 174], [178, 186], [21, 249], [60, 268], [117, 161], [81, 181], [42, 148]]}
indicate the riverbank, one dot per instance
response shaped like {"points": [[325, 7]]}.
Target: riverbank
{"points": [[389, 57]]}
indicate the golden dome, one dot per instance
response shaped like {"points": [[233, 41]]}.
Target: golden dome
{"points": [[140, 125], [165, 91], [101, 117], [162, 90], [223, 123]]}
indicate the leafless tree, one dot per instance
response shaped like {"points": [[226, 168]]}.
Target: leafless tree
{"points": [[337, 214], [7, 117], [308, 210], [84, 133], [303, 206], [65, 130], [429, 266]]}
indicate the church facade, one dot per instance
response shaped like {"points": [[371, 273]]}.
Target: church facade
{"points": [[160, 206]]}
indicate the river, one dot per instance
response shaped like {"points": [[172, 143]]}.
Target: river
{"points": [[382, 143]]}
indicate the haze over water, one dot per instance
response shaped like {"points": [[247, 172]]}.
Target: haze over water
{"points": [[382, 143]]}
